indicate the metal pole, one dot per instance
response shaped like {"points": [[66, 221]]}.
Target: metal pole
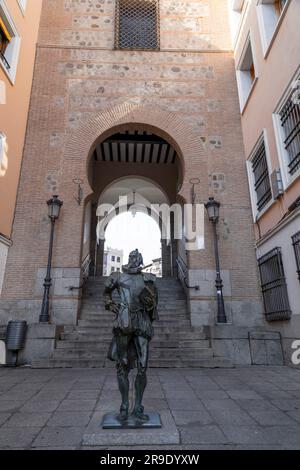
{"points": [[44, 316], [221, 317]]}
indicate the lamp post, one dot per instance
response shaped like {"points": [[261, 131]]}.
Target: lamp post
{"points": [[213, 209], [54, 206]]}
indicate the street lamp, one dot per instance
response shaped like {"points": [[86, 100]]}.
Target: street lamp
{"points": [[213, 209], [54, 206]]}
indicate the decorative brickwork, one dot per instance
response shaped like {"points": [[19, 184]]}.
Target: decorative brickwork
{"points": [[85, 91]]}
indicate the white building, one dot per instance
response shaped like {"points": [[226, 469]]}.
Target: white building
{"points": [[113, 261]]}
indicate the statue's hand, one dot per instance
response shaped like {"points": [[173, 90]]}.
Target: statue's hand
{"points": [[112, 306]]}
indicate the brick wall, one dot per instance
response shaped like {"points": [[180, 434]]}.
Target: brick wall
{"points": [[186, 93]]}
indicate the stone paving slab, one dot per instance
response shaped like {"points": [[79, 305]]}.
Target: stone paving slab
{"points": [[240, 408]]}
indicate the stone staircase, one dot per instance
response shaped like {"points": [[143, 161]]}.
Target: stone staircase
{"points": [[175, 344]]}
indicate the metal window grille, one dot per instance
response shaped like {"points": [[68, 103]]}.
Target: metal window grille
{"points": [[296, 244], [137, 24], [261, 177], [290, 121], [273, 285]]}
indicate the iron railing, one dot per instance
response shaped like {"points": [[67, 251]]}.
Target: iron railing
{"points": [[296, 245], [290, 121], [137, 24], [4, 60], [85, 270], [273, 285], [261, 176], [183, 273]]}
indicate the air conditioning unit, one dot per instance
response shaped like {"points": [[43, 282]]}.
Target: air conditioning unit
{"points": [[277, 184]]}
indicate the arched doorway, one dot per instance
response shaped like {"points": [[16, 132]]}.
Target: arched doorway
{"points": [[142, 167], [127, 232]]}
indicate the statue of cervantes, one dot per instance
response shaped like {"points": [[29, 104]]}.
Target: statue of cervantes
{"points": [[133, 329]]}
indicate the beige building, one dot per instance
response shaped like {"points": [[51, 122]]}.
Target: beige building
{"points": [[155, 268], [113, 261], [267, 58], [19, 24], [139, 97]]}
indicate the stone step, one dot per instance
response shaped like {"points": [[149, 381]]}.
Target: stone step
{"points": [[99, 345], [155, 353], [163, 298], [168, 331], [98, 323], [192, 363], [101, 312], [100, 364], [174, 333], [163, 315]]}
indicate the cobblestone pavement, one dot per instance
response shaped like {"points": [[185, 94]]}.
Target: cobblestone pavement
{"points": [[241, 408]]}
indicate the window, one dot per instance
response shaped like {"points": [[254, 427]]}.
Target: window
{"points": [[118, 259], [9, 43], [290, 123], [286, 119], [5, 39], [118, 270], [237, 11], [296, 244], [113, 258], [261, 177], [137, 24], [269, 13], [258, 172], [246, 73], [273, 286], [112, 269]]}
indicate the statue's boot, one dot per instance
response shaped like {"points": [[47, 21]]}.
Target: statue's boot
{"points": [[140, 385], [123, 383]]}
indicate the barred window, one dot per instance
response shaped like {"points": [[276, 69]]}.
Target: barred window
{"points": [[296, 244], [137, 24], [290, 122], [273, 285], [261, 177]]}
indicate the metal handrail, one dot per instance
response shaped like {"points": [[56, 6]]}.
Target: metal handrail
{"points": [[3, 58], [179, 260], [85, 273]]}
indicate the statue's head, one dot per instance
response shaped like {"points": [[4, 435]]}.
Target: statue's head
{"points": [[135, 259]]}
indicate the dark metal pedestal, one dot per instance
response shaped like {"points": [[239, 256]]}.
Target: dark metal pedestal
{"points": [[110, 421]]}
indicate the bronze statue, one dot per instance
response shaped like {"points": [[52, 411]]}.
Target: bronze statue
{"points": [[133, 330]]}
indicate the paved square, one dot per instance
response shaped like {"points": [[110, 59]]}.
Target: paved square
{"points": [[241, 408]]}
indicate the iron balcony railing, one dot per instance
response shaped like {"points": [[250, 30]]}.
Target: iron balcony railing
{"points": [[290, 121], [296, 245], [273, 285], [261, 176]]}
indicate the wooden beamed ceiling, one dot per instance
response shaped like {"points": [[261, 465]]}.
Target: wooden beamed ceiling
{"points": [[135, 147]]}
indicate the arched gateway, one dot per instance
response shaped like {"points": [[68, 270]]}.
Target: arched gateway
{"points": [[125, 141]]}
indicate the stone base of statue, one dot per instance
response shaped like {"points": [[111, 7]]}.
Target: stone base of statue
{"points": [[111, 421], [96, 436]]}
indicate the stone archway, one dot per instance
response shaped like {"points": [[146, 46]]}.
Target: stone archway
{"points": [[83, 140]]}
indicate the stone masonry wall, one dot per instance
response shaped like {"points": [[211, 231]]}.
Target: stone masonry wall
{"points": [[79, 76]]}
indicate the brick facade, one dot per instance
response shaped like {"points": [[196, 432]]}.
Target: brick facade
{"points": [[85, 91]]}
